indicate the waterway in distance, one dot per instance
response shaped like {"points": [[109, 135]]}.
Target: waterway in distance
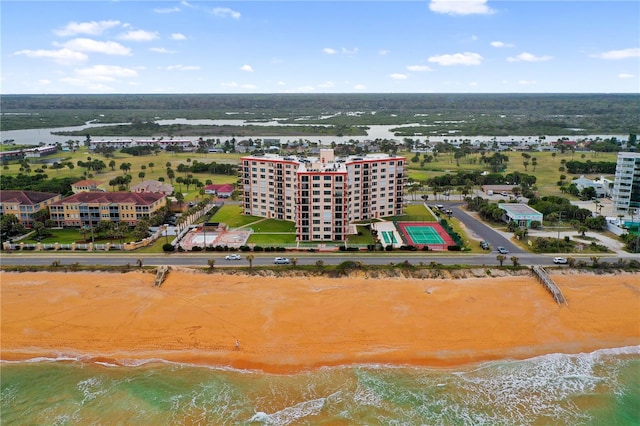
{"points": [[37, 136]]}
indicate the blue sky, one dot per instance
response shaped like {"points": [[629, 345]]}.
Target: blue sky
{"points": [[437, 46]]}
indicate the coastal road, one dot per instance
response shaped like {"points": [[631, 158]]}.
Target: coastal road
{"points": [[201, 259]]}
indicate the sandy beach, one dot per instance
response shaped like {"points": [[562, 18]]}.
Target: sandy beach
{"points": [[284, 325]]}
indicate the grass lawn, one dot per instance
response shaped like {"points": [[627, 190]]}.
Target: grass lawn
{"points": [[415, 213], [272, 239], [546, 171], [231, 214], [68, 236], [365, 238], [273, 225]]}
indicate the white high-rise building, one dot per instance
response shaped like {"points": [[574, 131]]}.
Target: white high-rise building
{"points": [[626, 186], [324, 194]]}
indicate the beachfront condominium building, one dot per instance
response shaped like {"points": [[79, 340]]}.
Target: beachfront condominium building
{"points": [[324, 194], [626, 186], [89, 208]]}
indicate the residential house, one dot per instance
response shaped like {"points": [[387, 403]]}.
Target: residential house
{"points": [[153, 186], [85, 186], [221, 190], [522, 214]]}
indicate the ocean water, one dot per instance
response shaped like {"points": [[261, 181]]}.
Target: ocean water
{"points": [[599, 388]]}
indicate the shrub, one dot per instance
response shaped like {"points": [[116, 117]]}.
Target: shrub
{"points": [[196, 248]]}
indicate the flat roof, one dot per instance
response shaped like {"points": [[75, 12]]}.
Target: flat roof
{"points": [[518, 208]]}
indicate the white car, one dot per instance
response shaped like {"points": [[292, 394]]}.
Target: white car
{"points": [[559, 260], [281, 261], [233, 257]]}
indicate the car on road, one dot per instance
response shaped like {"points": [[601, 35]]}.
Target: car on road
{"points": [[281, 261], [484, 245], [559, 260], [233, 257], [439, 206], [502, 250]]}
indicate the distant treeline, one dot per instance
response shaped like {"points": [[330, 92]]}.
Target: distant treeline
{"points": [[586, 167], [467, 114], [38, 182]]}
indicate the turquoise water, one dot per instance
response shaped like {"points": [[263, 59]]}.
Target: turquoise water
{"points": [[599, 388]]}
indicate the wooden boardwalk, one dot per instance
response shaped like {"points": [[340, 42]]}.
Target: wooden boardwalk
{"points": [[161, 274], [550, 285]]}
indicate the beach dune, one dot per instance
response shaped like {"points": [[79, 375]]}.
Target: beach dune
{"points": [[285, 325]]}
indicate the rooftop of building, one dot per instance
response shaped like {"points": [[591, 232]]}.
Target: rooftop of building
{"points": [[139, 198], [518, 208], [25, 197]]}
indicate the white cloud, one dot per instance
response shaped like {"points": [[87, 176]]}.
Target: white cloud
{"points": [[246, 68], [105, 72], [466, 58], [61, 56], [87, 85], [329, 51], [383, 52], [161, 50], [398, 76], [360, 87], [90, 28], [230, 84], [625, 75], [528, 57], [180, 67], [460, 7], [349, 51], [44, 82], [281, 83], [326, 84], [89, 45], [225, 12], [167, 10], [618, 54], [527, 82], [178, 36], [501, 44], [418, 68], [248, 86], [305, 89], [139, 35]]}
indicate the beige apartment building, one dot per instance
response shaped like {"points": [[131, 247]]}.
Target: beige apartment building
{"points": [[89, 208], [23, 204], [324, 194]]}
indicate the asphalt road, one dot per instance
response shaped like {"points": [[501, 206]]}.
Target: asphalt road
{"points": [[474, 227], [201, 259]]}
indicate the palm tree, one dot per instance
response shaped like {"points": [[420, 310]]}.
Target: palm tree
{"points": [[139, 263], [501, 258], [211, 263], [250, 260], [515, 260], [294, 261]]}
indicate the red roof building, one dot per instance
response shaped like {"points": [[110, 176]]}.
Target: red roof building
{"points": [[23, 204], [89, 208]]}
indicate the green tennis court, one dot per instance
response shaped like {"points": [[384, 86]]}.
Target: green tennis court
{"points": [[423, 235]]}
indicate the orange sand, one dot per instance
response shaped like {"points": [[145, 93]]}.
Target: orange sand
{"points": [[289, 324]]}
